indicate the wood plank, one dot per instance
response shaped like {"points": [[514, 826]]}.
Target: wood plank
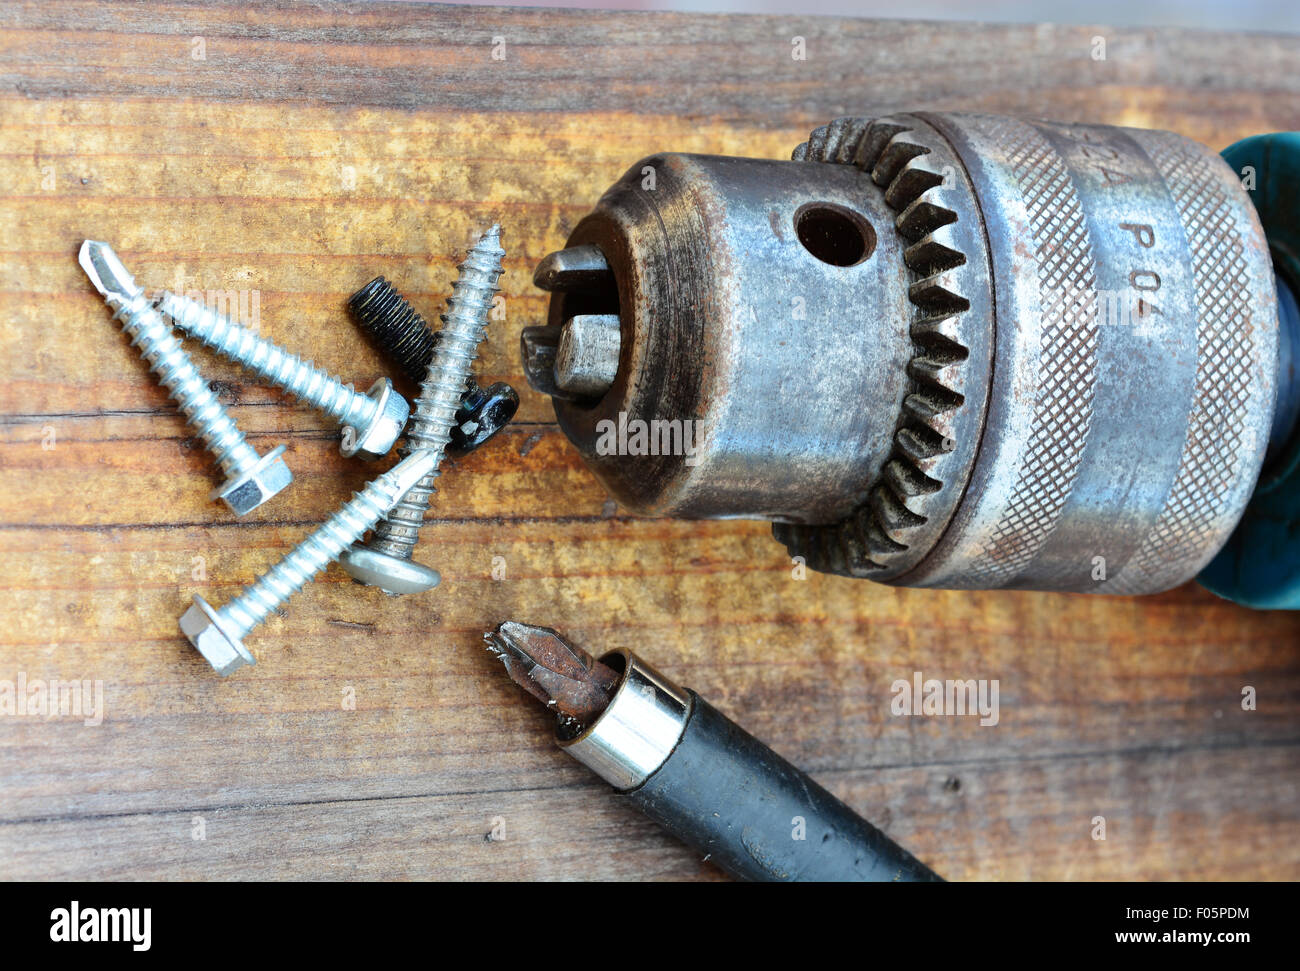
{"points": [[978, 830], [318, 146], [415, 56]]}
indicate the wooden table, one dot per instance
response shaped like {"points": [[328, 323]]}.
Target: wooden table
{"points": [[293, 152]]}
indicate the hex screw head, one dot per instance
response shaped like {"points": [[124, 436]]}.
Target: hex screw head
{"points": [[211, 636], [377, 437], [246, 492]]}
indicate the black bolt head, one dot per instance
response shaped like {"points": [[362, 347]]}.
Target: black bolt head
{"points": [[482, 413]]}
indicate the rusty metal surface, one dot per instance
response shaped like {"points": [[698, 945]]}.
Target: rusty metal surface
{"points": [[729, 323], [559, 674]]}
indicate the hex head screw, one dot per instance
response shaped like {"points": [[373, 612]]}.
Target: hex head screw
{"points": [[251, 479], [372, 422], [403, 337], [219, 634], [386, 560]]}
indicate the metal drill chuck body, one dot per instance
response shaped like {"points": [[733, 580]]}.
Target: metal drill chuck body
{"points": [[942, 350]]}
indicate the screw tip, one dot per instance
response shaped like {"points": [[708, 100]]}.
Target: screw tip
{"points": [[490, 241], [408, 472], [106, 271]]}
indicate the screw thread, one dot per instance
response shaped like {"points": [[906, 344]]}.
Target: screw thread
{"points": [[444, 384], [395, 327], [277, 366], [153, 337], [324, 546]]}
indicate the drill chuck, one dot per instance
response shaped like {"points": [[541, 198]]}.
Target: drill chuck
{"points": [[934, 349]]}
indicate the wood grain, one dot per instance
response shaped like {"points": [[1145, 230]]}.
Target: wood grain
{"points": [[317, 146]]}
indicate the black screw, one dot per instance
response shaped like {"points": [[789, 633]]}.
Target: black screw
{"points": [[403, 336]]}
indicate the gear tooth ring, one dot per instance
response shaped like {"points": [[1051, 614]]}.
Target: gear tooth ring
{"points": [[917, 490]]}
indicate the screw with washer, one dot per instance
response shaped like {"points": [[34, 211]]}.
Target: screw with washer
{"points": [[402, 335], [371, 422], [251, 479], [218, 634], [385, 561]]}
